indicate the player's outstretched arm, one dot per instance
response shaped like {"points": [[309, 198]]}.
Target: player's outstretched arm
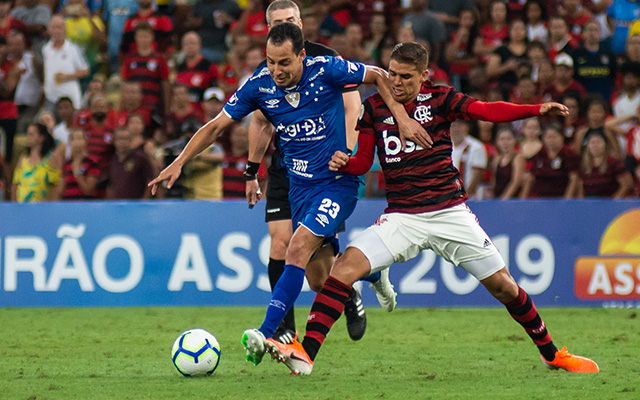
{"points": [[502, 111], [202, 139], [409, 128]]}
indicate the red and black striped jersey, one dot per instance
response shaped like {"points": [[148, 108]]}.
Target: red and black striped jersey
{"points": [[71, 189], [99, 145], [198, 77], [418, 180], [162, 29], [149, 72]]}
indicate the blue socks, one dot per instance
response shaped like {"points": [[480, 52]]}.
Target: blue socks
{"points": [[373, 278], [284, 295]]}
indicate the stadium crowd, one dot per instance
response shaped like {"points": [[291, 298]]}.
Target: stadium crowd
{"points": [[97, 96]]}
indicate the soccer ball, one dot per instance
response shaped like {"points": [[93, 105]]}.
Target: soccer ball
{"points": [[196, 352]]}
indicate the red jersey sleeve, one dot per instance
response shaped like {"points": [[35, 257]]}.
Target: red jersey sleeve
{"points": [[164, 69], [501, 111]]}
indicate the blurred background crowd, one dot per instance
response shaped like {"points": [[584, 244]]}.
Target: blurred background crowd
{"points": [[97, 96]]}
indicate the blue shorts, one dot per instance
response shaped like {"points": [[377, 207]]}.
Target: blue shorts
{"points": [[323, 207]]}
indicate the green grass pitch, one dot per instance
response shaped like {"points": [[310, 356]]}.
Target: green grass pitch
{"points": [[124, 353]]}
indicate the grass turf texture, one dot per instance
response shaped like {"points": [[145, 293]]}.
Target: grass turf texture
{"points": [[124, 353]]}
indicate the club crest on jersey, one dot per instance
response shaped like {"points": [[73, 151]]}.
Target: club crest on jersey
{"points": [[424, 96], [293, 99], [423, 114]]}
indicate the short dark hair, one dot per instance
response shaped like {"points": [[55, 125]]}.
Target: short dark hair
{"points": [[411, 53], [287, 31], [63, 98], [631, 67], [144, 26]]}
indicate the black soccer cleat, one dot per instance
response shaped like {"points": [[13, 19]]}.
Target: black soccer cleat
{"points": [[355, 315]]}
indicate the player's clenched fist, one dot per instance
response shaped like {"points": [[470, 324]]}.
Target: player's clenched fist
{"points": [[338, 160]]}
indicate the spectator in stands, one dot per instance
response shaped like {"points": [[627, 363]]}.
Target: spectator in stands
{"points": [[311, 27], [379, 31], [545, 78], [600, 174], [560, 39], [203, 173], [29, 89], [632, 48], [66, 114], [535, 17], [37, 170], [64, 66], [596, 113], [360, 11], [253, 59], [116, 13], [503, 63], [595, 66], [469, 157], [449, 10], [8, 24], [621, 15], [196, 72], [427, 26], [161, 27], [149, 69], [576, 16], [495, 32], [536, 55], [328, 25], [530, 143], [355, 39], [212, 19], [213, 101], [139, 142], [85, 30], [99, 134], [627, 100], [181, 111], [459, 49], [81, 174], [253, 22], [235, 66], [37, 18], [131, 103], [9, 76], [553, 172], [525, 92], [235, 161], [507, 166], [563, 82], [628, 128], [572, 122], [129, 171]]}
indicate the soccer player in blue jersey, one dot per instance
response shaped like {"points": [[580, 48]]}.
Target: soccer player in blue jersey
{"points": [[301, 97]]}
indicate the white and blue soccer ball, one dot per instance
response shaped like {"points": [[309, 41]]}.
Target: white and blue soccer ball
{"points": [[196, 352]]}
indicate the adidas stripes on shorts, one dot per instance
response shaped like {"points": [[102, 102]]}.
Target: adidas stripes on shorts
{"points": [[453, 233]]}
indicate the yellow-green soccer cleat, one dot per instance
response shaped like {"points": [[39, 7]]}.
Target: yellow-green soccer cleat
{"points": [[253, 342]]}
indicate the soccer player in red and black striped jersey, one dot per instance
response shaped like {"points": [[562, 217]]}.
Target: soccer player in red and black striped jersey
{"points": [[426, 208]]}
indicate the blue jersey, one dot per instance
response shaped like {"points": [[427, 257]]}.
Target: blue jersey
{"points": [[308, 117]]}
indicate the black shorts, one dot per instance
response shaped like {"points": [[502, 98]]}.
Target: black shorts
{"points": [[278, 207]]}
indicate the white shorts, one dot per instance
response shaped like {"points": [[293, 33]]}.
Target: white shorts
{"points": [[453, 233]]}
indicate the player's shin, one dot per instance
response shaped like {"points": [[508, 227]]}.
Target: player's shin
{"points": [[325, 311], [284, 295], [523, 310]]}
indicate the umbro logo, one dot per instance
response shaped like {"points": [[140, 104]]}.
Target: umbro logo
{"points": [[272, 103], [389, 120], [487, 243]]}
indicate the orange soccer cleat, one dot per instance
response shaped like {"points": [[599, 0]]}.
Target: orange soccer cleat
{"points": [[572, 363], [292, 355]]}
